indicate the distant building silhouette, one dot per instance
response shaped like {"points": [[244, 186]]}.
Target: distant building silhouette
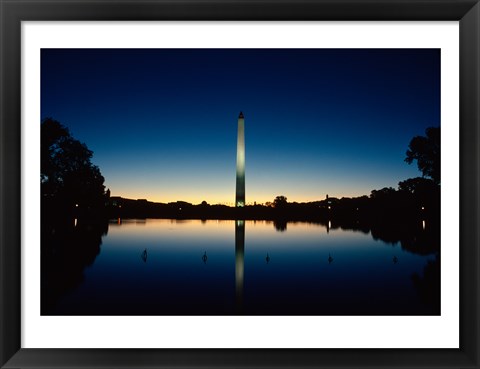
{"points": [[240, 188]]}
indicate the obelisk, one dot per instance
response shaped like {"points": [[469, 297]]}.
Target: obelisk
{"points": [[240, 190]]}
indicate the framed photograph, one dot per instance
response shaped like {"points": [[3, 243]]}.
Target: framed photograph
{"points": [[239, 184]]}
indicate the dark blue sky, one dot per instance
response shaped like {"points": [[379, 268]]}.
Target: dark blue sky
{"points": [[162, 123]]}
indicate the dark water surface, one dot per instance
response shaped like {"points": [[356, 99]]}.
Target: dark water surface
{"points": [[225, 267]]}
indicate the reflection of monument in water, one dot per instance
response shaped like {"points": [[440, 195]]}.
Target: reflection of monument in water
{"points": [[240, 188], [239, 203], [239, 261]]}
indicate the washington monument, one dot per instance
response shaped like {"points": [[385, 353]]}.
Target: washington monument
{"points": [[240, 191]]}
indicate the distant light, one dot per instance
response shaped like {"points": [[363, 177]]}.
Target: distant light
{"points": [[76, 205], [423, 208], [329, 207], [179, 208], [423, 224], [357, 208], [75, 222]]}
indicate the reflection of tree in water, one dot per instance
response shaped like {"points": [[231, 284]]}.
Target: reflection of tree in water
{"points": [[280, 225], [417, 238], [423, 243], [66, 250], [428, 285], [412, 236]]}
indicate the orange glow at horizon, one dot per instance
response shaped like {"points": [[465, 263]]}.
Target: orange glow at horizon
{"points": [[228, 200]]}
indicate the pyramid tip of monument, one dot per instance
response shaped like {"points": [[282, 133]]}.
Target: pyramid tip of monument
{"points": [[240, 115]]}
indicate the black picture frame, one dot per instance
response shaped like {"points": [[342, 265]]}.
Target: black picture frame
{"points": [[13, 12]]}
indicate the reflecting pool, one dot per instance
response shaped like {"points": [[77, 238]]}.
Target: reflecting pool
{"points": [[230, 267]]}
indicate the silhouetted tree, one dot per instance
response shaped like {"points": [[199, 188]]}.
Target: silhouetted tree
{"points": [[68, 178], [280, 202], [426, 151], [416, 186], [420, 189], [384, 193]]}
